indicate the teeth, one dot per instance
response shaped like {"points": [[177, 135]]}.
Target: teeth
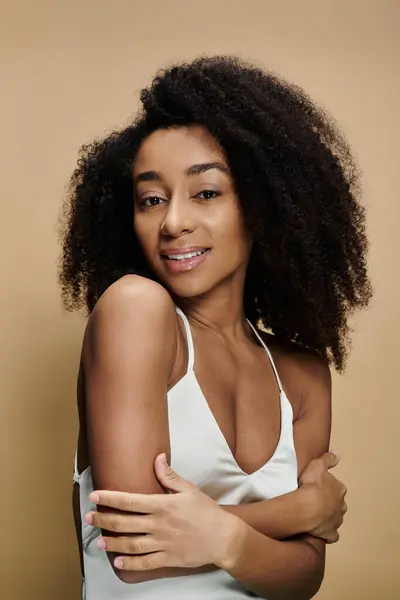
{"points": [[185, 256]]}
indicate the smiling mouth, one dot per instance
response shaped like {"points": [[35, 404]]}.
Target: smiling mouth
{"points": [[185, 255], [178, 262]]}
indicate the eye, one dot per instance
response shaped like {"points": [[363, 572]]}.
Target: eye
{"points": [[208, 194], [151, 201]]}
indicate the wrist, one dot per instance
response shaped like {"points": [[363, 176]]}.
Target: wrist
{"points": [[308, 507], [233, 541]]}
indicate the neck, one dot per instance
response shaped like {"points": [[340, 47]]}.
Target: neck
{"points": [[221, 309]]}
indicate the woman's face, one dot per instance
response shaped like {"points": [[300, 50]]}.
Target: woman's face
{"points": [[186, 214]]}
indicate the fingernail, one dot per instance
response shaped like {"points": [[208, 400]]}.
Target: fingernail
{"points": [[101, 543], [164, 459], [119, 563], [89, 518], [336, 453], [94, 497]]}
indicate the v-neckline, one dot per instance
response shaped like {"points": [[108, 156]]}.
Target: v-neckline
{"points": [[223, 439], [282, 396]]}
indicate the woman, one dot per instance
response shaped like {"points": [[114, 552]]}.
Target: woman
{"points": [[230, 203]]}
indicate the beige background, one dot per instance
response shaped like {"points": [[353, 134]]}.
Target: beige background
{"points": [[70, 70]]}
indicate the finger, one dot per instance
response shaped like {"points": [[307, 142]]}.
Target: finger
{"points": [[168, 478], [329, 459], [333, 538], [120, 523], [140, 503], [336, 453], [338, 522], [148, 562], [129, 544]]}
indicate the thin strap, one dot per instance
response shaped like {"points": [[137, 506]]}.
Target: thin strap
{"points": [[188, 337], [76, 473], [258, 336]]}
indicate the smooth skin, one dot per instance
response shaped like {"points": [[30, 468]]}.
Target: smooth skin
{"points": [[172, 524], [135, 350]]}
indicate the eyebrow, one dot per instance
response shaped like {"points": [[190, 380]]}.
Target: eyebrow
{"points": [[192, 170]]}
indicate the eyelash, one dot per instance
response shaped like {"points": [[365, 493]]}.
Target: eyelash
{"points": [[207, 191]]}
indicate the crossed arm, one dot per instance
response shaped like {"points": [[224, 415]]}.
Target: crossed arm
{"points": [[118, 368]]}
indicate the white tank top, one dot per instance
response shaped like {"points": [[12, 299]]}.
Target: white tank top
{"points": [[199, 453]]}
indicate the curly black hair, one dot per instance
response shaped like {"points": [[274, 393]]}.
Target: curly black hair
{"points": [[296, 181]]}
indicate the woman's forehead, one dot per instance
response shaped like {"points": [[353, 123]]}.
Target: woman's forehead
{"points": [[178, 149]]}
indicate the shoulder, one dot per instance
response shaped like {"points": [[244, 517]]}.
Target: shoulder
{"points": [[133, 307], [135, 292], [298, 360], [305, 375], [136, 298]]}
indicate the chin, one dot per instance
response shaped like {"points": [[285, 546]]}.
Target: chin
{"points": [[188, 285], [186, 289]]}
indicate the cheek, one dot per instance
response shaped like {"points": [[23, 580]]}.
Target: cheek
{"points": [[146, 233], [233, 235]]}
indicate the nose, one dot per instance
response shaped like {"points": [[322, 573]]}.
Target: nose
{"points": [[178, 218]]}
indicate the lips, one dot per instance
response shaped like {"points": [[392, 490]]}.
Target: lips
{"points": [[185, 258]]}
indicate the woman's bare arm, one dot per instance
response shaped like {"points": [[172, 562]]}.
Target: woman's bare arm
{"points": [[128, 354], [279, 518]]}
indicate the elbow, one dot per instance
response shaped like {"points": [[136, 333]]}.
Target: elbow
{"points": [[301, 591], [308, 590], [314, 581], [318, 582], [314, 569], [307, 585], [309, 593]]}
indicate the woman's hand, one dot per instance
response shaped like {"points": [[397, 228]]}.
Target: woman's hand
{"points": [[326, 494], [184, 529]]}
